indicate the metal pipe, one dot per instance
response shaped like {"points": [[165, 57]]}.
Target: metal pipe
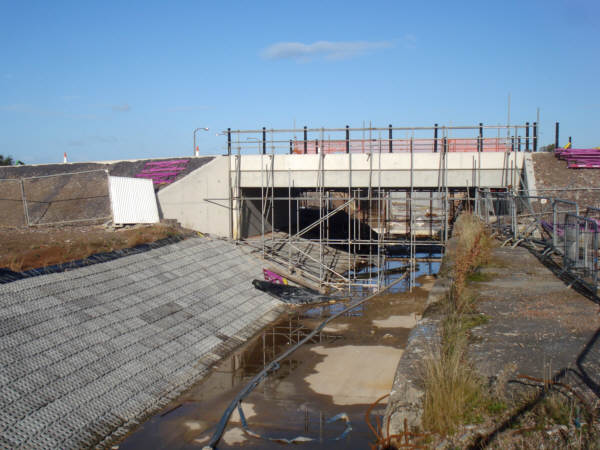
{"points": [[435, 138], [556, 135], [319, 130], [526, 136], [229, 141], [305, 141], [347, 139], [535, 140], [390, 137], [264, 141]]}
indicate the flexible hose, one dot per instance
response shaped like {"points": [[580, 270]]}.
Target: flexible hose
{"points": [[274, 365]]}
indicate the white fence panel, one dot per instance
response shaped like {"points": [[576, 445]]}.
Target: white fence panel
{"points": [[133, 200]]}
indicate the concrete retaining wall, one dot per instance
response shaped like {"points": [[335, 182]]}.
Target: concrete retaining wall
{"points": [[199, 201]]}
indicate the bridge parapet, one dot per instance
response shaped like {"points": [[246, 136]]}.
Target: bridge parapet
{"points": [[389, 170]]}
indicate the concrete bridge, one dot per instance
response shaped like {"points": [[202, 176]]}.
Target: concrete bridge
{"points": [[211, 198]]}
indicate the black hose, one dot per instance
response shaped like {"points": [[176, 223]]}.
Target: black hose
{"points": [[274, 365]]}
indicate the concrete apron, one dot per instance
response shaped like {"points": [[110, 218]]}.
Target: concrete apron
{"points": [[350, 366]]}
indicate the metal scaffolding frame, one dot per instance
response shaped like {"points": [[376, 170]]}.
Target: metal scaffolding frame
{"points": [[361, 259]]}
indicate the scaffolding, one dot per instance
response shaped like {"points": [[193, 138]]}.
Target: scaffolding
{"points": [[359, 238]]}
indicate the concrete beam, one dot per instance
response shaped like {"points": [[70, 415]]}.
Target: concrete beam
{"points": [[385, 170]]}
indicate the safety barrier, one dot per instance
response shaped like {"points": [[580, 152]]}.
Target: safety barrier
{"points": [[553, 226]]}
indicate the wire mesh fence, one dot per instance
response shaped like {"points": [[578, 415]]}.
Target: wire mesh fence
{"points": [[11, 204], [581, 247], [55, 199], [553, 225]]}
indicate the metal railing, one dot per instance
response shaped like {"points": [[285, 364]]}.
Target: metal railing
{"points": [[553, 226], [390, 139]]}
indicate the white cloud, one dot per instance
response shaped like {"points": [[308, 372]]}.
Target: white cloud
{"points": [[321, 49], [121, 108]]}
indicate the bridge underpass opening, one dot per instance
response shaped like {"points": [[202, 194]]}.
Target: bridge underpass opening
{"points": [[332, 239]]}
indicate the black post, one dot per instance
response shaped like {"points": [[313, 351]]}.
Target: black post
{"points": [[264, 141], [305, 141], [445, 147], [570, 142], [347, 139], [535, 136], [556, 136], [512, 143], [316, 146], [480, 142], [518, 143], [291, 147], [390, 137], [229, 141], [526, 136], [435, 137]]}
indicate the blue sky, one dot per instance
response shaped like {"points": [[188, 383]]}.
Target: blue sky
{"points": [[110, 80]]}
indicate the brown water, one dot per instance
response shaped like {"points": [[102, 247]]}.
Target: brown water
{"points": [[345, 369]]}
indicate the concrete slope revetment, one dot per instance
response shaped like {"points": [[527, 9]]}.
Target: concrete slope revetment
{"points": [[86, 354]]}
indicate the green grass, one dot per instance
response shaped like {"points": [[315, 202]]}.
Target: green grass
{"points": [[478, 277], [471, 321], [496, 407]]}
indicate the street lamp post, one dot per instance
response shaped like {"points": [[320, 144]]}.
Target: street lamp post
{"points": [[195, 131]]}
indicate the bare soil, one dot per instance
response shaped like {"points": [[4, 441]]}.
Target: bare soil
{"points": [[32, 248], [554, 179]]}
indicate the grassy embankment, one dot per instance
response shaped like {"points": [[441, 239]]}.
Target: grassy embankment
{"points": [[453, 391], [455, 394], [34, 248]]}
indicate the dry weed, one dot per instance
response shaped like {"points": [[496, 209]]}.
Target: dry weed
{"points": [[453, 391]]}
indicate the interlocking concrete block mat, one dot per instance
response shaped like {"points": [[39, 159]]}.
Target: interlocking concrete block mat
{"points": [[85, 354]]}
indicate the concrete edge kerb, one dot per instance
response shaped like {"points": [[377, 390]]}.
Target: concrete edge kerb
{"points": [[407, 394]]}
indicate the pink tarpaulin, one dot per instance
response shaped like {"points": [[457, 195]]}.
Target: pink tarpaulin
{"points": [[273, 277], [163, 172]]}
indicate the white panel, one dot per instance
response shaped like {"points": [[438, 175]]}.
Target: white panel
{"points": [[133, 200]]}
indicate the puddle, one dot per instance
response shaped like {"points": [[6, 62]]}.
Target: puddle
{"points": [[428, 264], [408, 321], [344, 369]]}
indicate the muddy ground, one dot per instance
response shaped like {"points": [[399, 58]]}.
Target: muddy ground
{"points": [[344, 370]]}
